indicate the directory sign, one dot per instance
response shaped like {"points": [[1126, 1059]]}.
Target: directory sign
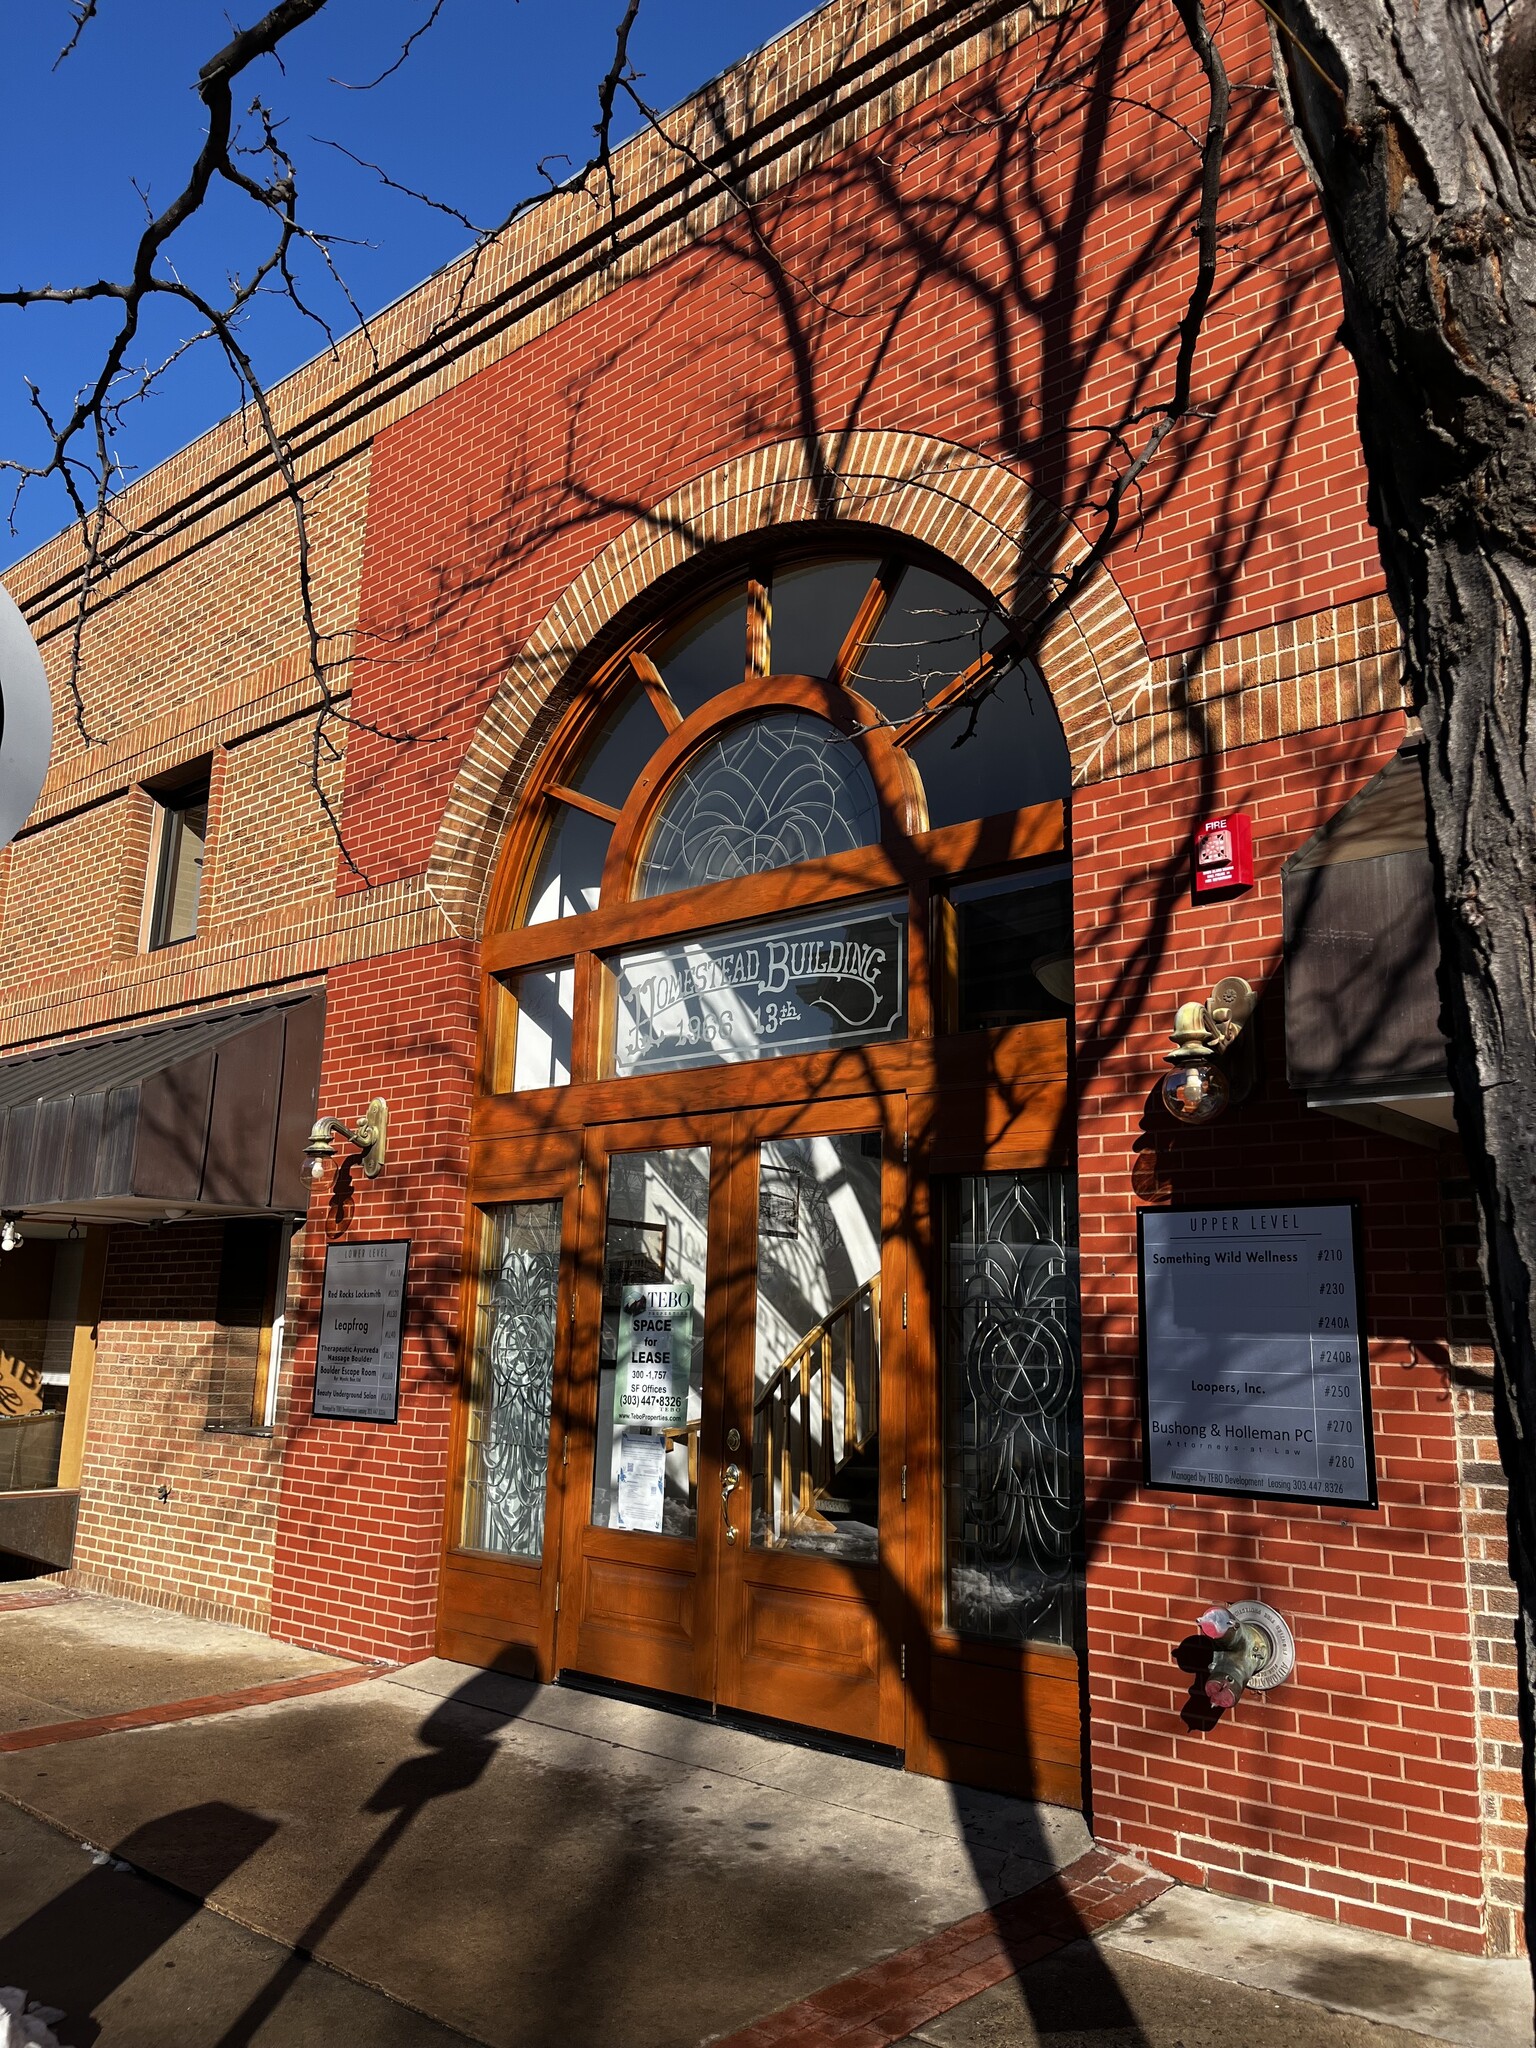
{"points": [[357, 1363], [1253, 1353]]}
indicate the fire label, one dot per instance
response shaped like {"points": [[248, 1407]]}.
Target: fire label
{"points": [[1224, 855]]}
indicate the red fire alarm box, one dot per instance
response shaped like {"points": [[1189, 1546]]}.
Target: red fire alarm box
{"points": [[1224, 855]]}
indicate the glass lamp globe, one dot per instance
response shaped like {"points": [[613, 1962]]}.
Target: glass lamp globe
{"points": [[1195, 1090]]}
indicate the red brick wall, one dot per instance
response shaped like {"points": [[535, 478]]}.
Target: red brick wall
{"points": [[1351, 1791], [913, 311], [170, 1512], [360, 1524]]}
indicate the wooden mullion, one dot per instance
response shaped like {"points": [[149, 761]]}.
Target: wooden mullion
{"points": [[944, 700], [866, 620], [656, 689], [589, 1005], [759, 625], [1026, 1091], [563, 794]]}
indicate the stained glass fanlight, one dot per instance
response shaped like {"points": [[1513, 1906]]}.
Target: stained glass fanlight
{"points": [[765, 793]]}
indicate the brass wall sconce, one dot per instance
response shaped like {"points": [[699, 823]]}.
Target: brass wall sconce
{"points": [[368, 1135], [1202, 1078]]}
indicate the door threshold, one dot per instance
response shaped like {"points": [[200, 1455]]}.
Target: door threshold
{"points": [[790, 1732]]}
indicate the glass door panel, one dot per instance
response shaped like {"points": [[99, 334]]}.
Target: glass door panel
{"points": [[507, 1453], [811, 1569], [816, 1380], [650, 1393]]}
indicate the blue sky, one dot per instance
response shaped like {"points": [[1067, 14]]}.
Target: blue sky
{"points": [[496, 86]]}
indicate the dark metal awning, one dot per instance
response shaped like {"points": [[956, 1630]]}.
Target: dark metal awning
{"points": [[208, 1114], [1362, 1006]]}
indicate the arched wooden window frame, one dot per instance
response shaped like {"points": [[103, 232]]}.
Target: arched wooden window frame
{"points": [[909, 859]]}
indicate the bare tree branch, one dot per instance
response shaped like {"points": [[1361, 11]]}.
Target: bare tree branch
{"points": [[406, 48], [84, 12]]}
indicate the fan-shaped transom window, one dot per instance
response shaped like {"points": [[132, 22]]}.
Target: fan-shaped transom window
{"points": [[765, 793], [816, 710], [915, 646]]}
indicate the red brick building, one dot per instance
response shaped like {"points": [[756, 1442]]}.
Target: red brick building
{"points": [[773, 1083]]}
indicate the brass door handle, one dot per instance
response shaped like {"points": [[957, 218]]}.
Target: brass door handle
{"points": [[728, 1486]]}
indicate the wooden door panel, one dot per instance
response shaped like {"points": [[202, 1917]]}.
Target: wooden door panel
{"points": [[508, 1654], [1010, 1721], [810, 1657], [473, 1588], [803, 1636], [637, 1624]]}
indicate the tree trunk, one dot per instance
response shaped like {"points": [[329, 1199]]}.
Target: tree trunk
{"points": [[1409, 124]]}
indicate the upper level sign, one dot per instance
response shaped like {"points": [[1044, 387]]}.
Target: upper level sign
{"points": [[26, 720], [1254, 1352]]}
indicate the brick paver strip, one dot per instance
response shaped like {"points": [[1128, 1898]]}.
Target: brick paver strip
{"points": [[14, 1598], [884, 2004], [191, 1710]]}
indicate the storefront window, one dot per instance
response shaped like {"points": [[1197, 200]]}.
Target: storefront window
{"points": [[546, 1009], [514, 1369], [1011, 1496], [1013, 950], [39, 1305]]}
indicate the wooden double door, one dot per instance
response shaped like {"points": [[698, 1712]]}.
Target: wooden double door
{"points": [[724, 1513]]}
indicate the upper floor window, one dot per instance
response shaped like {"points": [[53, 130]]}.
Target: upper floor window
{"points": [[176, 863]]}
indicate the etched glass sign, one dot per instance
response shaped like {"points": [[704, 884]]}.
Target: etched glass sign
{"points": [[837, 978], [766, 794]]}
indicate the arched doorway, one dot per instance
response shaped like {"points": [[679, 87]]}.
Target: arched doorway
{"points": [[773, 1397]]}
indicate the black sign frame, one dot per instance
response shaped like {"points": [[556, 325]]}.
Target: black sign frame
{"points": [[320, 1414], [1368, 1428]]}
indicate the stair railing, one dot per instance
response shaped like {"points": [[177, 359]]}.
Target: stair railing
{"points": [[795, 1418]]}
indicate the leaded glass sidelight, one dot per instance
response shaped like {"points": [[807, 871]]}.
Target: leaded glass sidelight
{"points": [[765, 794], [1011, 1495], [514, 1368]]}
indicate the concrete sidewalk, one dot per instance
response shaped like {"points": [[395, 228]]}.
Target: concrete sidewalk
{"points": [[438, 1853], [74, 1657]]}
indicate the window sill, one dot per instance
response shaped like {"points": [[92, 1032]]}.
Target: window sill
{"points": [[237, 1429]]}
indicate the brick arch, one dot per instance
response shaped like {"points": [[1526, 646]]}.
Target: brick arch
{"points": [[983, 517]]}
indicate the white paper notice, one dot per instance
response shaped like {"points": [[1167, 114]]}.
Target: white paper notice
{"points": [[357, 1362], [1254, 1353], [642, 1480]]}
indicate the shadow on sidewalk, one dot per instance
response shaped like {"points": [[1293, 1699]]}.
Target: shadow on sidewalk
{"points": [[89, 1940]]}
